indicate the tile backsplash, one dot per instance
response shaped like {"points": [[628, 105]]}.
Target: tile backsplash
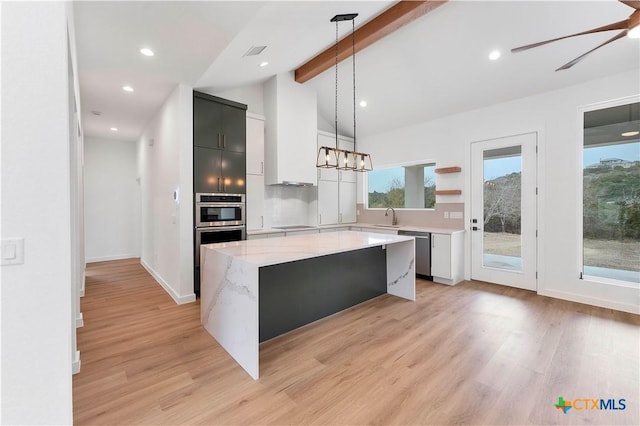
{"points": [[290, 205], [445, 215]]}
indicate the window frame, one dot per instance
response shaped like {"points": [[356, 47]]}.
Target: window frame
{"points": [[365, 189], [580, 193]]}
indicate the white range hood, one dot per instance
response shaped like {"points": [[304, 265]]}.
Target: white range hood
{"points": [[291, 131]]}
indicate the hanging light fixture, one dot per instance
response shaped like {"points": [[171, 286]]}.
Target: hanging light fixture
{"points": [[334, 157]]}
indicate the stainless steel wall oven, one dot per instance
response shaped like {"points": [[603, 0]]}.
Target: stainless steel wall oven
{"points": [[219, 218]]}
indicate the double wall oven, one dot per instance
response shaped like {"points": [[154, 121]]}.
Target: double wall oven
{"points": [[219, 218]]}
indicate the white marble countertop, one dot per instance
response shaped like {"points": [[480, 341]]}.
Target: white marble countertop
{"points": [[273, 251], [447, 231]]}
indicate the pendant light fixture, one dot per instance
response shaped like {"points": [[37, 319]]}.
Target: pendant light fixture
{"points": [[334, 157]]}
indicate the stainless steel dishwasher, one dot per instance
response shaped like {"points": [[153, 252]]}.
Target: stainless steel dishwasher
{"points": [[423, 251]]}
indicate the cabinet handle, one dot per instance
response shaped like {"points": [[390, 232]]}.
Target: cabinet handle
{"points": [[433, 242], [262, 167], [261, 221], [320, 221], [224, 141], [218, 184], [224, 185]]}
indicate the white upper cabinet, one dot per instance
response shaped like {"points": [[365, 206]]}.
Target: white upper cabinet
{"points": [[254, 214], [328, 140], [347, 203], [348, 144], [336, 188], [291, 132], [255, 144]]}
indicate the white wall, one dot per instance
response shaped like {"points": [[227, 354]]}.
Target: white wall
{"points": [[112, 200], [165, 164], [36, 296], [252, 96], [554, 115]]}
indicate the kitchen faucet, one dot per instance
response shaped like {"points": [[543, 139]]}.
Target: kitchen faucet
{"points": [[394, 221]]}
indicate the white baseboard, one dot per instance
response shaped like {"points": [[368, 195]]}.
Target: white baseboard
{"points": [[75, 365], [79, 320], [178, 299], [107, 258], [573, 297]]}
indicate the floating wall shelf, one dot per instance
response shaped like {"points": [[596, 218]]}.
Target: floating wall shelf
{"points": [[448, 170], [448, 192]]}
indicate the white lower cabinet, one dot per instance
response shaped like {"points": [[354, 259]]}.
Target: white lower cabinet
{"points": [[447, 257], [304, 232], [334, 229], [254, 214], [381, 231], [441, 255]]}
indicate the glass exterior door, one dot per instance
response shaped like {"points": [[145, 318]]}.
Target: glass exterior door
{"points": [[503, 211]]}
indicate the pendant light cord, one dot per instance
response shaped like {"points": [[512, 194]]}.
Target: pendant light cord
{"points": [[336, 97], [353, 55]]}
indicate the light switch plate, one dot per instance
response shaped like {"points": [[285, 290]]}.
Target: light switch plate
{"points": [[13, 251]]}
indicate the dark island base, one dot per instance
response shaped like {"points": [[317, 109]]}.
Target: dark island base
{"points": [[297, 293]]}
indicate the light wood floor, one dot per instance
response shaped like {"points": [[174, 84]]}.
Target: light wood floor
{"points": [[474, 353]]}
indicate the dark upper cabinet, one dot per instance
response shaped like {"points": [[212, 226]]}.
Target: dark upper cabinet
{"points": [[219, 123], [207, 118], [219, 144], [233, 167], [234, 129], [215, 170]]}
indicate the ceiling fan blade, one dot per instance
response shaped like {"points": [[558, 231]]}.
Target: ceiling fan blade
{"points": [[632, 3], [622, 25], [581, 57]]}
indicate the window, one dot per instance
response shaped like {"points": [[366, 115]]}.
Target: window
{"points": [[412, 187], [611, 193]]}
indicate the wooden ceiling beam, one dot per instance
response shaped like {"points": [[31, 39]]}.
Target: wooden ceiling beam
{"points": [[395, 17]]}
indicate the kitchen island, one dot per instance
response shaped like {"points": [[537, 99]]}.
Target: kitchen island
{"points": [[255, 290]]}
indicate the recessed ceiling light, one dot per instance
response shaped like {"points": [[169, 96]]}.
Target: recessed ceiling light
{"points": [[363, 103], [127, 88], [146, 51], [264, 64], [495, 54], [627, 134], [114, 129]]}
